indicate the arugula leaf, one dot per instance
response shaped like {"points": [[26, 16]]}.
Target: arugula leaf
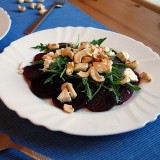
{"points": [[99, 41], [120, 65], [41, 47], [88, 90], [38, 62], [58, 67], [132, 87]]}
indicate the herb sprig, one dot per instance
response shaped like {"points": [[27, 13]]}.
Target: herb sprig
{"points": [[41, 47]]}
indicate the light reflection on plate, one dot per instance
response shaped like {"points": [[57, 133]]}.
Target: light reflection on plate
{"points": [[143, 107], [5, 23]]}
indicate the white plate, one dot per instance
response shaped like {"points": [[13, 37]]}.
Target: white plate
{"points": [[142, 108], [5, 23]]}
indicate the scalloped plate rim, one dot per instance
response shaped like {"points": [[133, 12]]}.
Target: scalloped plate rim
{"points": [[63, 127]]}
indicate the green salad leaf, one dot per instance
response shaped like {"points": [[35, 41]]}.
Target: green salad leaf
{"points": [[41, 47], [99, 41]]}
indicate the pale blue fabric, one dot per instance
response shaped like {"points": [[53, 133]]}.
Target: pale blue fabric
{"points": [[142, 144]]}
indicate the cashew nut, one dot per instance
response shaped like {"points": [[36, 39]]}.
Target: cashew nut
{"points": [[40, 6], [32, 5], [81, 67], [21, 8], [68, 108], [42, 11], [82, 74], [84, 45], [94, 74], [103, 56], [67, 52], [20, 1], [64, 96], [70, 68], [132, 64], [95, 53], [53, 46], [102, 67], [50, 56], [70, 89], [123, 56], [87, 59], [80, 54], [145, 76]]}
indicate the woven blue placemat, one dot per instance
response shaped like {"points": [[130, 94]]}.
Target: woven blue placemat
{"points": [[142, 144]]}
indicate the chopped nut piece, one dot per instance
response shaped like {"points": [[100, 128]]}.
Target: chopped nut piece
{"points": [[132, 64], [103, 67], [123, 56], [103, 56], [87, 59], [83, 74], [47, 62], [68, 108], [70, 89], [95, 76], [64, 96], [81, 67], [32, 5], [70, 68], [95, 53], [84, 45], [80, 54], [40, 6], [21, 8], [42, 11], [20, 1], [53, 46], [67, 52], [28, 0], [145, 76], [20, 68]]}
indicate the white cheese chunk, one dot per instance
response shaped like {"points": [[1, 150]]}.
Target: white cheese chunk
{"points": [[130, 74]]}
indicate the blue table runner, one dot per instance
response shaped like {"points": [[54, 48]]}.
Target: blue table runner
{"points": [[142, 144]]}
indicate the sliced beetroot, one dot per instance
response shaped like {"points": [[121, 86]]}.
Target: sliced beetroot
{"points": [[64, 45], [32, 72], [44, 90], [125, 94], [102, 101], [38, 57], [80, 101]]}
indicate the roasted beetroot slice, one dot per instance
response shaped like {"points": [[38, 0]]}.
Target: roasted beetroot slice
{"points": [[38, 57], [44, 90], [56, 102], [104, 100], [32, 72], [64, 45], [125, 94], [80, 101]]}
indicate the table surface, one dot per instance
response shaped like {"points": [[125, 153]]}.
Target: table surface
{"points": [[126, 17]]}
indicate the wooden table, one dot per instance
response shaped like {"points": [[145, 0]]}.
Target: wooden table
{"points": [[126, 17]]}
